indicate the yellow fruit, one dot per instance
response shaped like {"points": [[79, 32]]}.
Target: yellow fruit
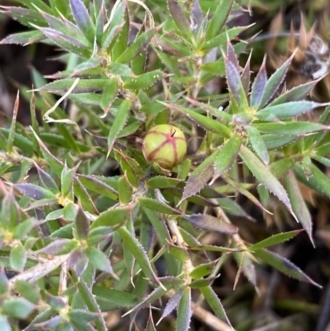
{"points": [[165, 145]]}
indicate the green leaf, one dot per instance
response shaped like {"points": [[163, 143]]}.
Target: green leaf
{"points": [[67, 177], [137, 46], [274, 82], [143, 81], [159, 226], [274, 240], [110, 299], [240, 187], [179, 18], [112, 217], [235, 85], [258, 144], [162, 182], [258, 86], [265, 177], [125, 191], [65, 27], [47, 180], [17, 307], [55, 164], [99, 260], [227, 155], [211, 223], [33, 191], [171, 305], [200, 176], [214, 302], [219, 19], [156, 294], [298, 204], [91, 303], [184, 311], [281, 167], [211, 69], [284, 265], [60, 247], [286, 110], [82, 18], [220, 40], [158, 206], [66, 42], [19, 141], [320, 180], [23, 38], [23, 229], [295, 94], [202, 270], [114, 25], [122, 40], [80, 319], [245, 264], [61, 86], [119, 122], [81, 224], [12, 130], [205, 122], [139, 253], [28, 291], [109, 94], [18, 257], [178, 253], [23, 15], [95, 184]]}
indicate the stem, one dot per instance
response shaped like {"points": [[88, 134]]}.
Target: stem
{"points": [[177, 237]]}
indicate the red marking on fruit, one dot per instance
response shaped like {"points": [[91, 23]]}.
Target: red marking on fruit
{"points": [[164, 144]]}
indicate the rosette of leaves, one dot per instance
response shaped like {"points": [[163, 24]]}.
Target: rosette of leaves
{"points": [[107, 233]]}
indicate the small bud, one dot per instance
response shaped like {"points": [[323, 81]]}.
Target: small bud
{"points": [[165, 145]]}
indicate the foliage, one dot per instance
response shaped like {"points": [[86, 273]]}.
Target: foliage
{"points": [[83, 242]]}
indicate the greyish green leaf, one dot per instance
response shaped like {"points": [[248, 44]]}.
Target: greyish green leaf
{"points": [[258, 144], [111, 217], [258, 86], [284, 265], [214, 302], [274, 240], [109, 94], [143, 81], [298, 204], [200, 176], [179, 18], [265, 177], [218, 19], [158, 206], [205, 122], [211, 223], [82, 18], [137, 46], [274, 82], [171, 305], [139, 253], [286, 110], [184, 311], [119, 122], [295, 94], [17, 307], [227, 155], [23, 38]]}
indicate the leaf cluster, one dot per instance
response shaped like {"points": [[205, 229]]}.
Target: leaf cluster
{"points": [[82, 242]]}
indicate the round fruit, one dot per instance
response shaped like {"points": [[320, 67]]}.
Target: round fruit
{"points": [[164, 144]]}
